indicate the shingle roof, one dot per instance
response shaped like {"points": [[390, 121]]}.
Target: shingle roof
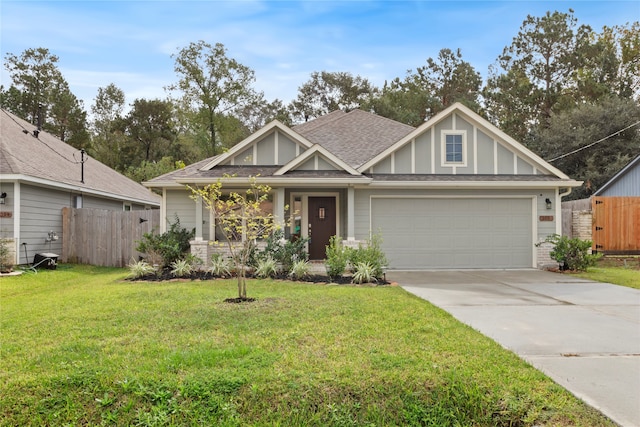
{"points": [[48, 158], [355, 137]]}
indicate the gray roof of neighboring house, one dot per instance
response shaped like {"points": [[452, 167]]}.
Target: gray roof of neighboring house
{"points": [[354, 137], [624, 183], [49, 159]]}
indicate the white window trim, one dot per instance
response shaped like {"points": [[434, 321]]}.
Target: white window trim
{"points": [[443, 148]]}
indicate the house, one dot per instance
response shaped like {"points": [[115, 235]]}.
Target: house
{"points": [[455, 192], [40, 175], [616, 212]]}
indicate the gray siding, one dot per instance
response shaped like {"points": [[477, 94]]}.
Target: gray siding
{"points": [[628, 185], [41, 212], [286, 149], [484, 155], [98, 203], [180, 204], [6, 224]]}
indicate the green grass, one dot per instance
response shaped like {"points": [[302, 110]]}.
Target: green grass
{"points": [[80, 346], [617, 270]]}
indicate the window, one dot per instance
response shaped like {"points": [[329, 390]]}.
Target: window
{"points": [[126, 207], [454, 148]]}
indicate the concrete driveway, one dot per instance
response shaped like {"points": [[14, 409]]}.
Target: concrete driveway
{"points": [[584, 335]]}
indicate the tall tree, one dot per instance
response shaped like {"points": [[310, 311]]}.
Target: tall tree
{"points": [[40, 90], [212, 83], [565, 142], [329, 91], [150, 129], [547, 52], [403, 101], [108, 127]]}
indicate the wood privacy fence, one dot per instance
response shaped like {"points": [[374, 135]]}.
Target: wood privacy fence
{"points": [[616, 225], [102, 237]]}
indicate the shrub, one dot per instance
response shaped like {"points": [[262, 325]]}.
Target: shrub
{"points": [[6, 256], [266, 267], [370, 253], [299, 269], [285, 252], [572, 254], [337, 257], [181, 268], [170, 246], [220, 266], [140, 269], [364, 273]]}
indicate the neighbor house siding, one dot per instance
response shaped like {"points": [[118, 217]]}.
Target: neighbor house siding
{"points": [[627, 185], [40, 213], [6, 224], [100, 203]]}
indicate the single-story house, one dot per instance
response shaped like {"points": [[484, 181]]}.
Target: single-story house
{"points": [[40, 174], [455, 192]]}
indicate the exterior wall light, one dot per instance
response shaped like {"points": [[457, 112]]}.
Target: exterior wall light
{"points": [[3, 198], [548, 203]]}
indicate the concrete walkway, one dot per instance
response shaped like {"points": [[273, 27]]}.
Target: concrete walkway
{"points": [[584, 335]]}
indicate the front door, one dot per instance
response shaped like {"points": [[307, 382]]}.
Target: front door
{"points": [[322, 225]]}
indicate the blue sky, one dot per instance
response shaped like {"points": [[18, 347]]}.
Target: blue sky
{"points": [[130, 43]]}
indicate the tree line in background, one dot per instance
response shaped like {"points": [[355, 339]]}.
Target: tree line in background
{"points": [[557, 87]]}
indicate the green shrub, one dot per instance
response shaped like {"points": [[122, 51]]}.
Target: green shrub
{"points": [[6, 256], [285, 252], [364, 273], [267, 267], [369, 253], [169, 246], [181, 268], [337, 257], [140, 269], [572, 254], [220, 266], [299, 269]]}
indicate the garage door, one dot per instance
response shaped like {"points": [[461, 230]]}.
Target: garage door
{"points": [[423, 233]]}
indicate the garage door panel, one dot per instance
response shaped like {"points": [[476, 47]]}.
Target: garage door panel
{"points": [[455, 233]]}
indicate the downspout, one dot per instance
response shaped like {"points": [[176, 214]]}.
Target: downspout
{"points": [[559, 208]]}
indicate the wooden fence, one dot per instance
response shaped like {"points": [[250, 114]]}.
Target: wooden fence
{"points": [[102, 237], [616, 225]]}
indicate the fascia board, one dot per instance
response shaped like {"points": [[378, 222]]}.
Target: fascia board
{"points": [[253, 138], [281, 181], [310, 152], [476, 184], [84, 190]]}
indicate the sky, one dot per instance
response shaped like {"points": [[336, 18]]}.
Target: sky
{"points": [[131, 43]]}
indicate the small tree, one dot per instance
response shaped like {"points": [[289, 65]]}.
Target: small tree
{"points": [[241, 219]]}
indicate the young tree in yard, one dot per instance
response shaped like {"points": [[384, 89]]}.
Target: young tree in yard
{"points": [[241, 218], [212, 83]]}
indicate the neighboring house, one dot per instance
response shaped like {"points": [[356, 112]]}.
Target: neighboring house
{"points": [[40, 175], [456, 192], [616, 212]]}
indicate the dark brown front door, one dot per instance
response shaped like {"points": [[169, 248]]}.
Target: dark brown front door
{"points": [[322, 224]]}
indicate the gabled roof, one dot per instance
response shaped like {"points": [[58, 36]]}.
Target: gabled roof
{"points": [[49, 161], [316, 150], [477, 120], [356, 136], [630, 166], [214, 161]]}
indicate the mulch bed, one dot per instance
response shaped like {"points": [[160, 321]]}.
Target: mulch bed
{"points": [[166, 276]]}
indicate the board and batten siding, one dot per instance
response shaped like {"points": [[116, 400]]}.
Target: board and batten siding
{"points": [[424, 153], [274, 148]]}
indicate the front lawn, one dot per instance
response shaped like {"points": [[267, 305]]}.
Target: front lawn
{"points": [[616, 270], [80, 346]]}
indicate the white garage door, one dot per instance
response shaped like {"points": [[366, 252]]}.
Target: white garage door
{"points": [[423, 233]]}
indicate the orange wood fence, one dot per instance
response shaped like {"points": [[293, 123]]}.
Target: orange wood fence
{"points": [[616, 225]]}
